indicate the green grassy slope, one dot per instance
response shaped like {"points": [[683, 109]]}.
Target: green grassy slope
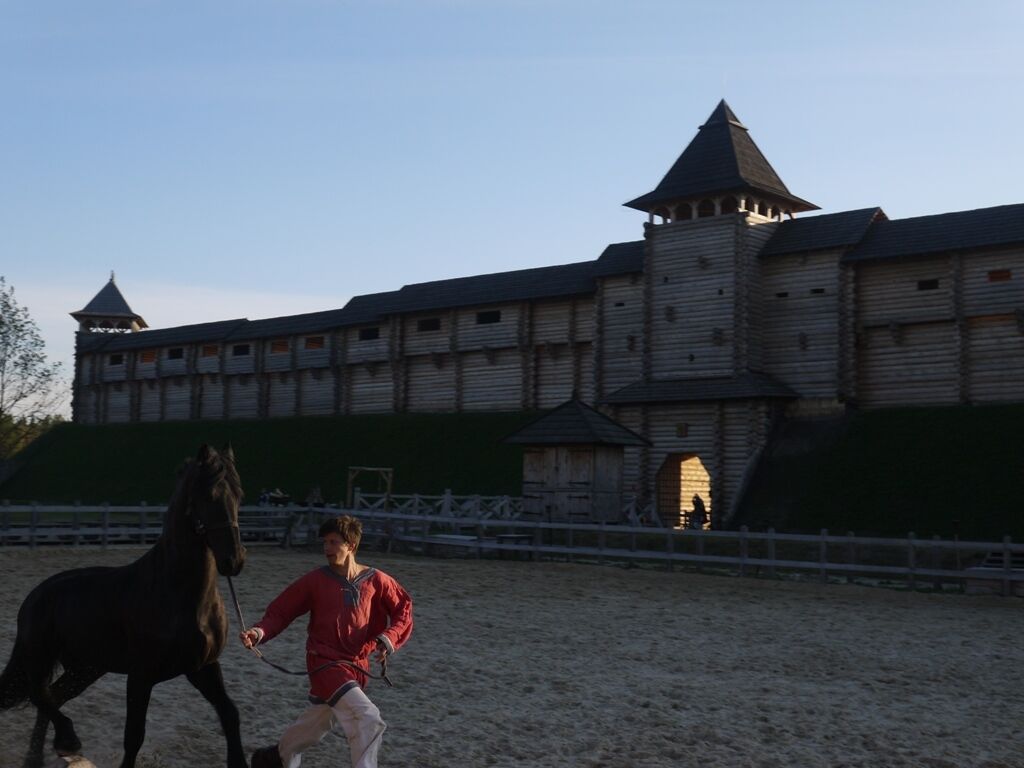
{"points": [[928, 470], [126, 463]]}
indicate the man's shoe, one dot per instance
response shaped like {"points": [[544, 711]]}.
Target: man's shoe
{"points": [[267, 757]]}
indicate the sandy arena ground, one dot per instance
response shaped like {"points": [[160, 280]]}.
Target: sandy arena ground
{"points": [[520, 664]]}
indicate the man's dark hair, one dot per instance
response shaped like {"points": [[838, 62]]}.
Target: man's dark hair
{"points": [[346, 526]]}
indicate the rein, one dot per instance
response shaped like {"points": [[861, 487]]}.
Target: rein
{"points": [[383, 676]]}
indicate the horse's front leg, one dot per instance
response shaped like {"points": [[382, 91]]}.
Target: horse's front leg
{"points": [[209, 681], [139, 692]]}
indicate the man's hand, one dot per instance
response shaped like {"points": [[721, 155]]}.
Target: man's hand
{"points": [[382, 652], [250, 637]]}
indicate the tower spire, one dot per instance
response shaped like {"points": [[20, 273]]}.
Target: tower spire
{"points": [[720, 171], [108, 311]]}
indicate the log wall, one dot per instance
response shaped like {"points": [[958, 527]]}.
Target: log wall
{"points": [[692, 283], [911, 331], [619, 338], [211, 403], [800, 299]]}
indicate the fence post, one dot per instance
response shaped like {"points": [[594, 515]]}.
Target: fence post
{"points": [[1007, 567], [823, 557], [33, 523], [935, 564], [357, 498], [770, 541], [446, 503], [76, 523], [911, 562], [743, 550], [105, 522], [479, 539], [537, 541], [851, 555]]}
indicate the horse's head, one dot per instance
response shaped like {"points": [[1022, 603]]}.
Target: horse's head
{"points": [[213, 494]]}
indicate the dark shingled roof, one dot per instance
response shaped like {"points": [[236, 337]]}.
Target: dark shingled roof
{"points": [[310, 322], [620, 259], [519, 285], [721, 158], [818, 233], [575, 423], [982, 228], [182, 334], [745, 386], [370, 308], [108, 303]]}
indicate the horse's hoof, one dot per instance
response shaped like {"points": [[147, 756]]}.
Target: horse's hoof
{"points": [[68, 746], [267, 757]]}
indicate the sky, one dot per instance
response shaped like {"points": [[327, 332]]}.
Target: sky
{"points": [[255, 158]]}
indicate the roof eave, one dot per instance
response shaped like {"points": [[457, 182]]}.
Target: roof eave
{"points": [[646, 202]]}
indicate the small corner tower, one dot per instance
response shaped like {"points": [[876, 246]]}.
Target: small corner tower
{"points": [[108, 312], [721, 171]]}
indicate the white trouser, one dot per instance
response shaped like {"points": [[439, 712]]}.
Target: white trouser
{"points": [[358, 717]]}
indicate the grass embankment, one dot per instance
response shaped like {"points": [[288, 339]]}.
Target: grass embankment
{"points": [[929, 471], [128, 463]]}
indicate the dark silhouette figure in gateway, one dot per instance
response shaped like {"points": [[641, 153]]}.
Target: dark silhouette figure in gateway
{"points": [[152, 620]]}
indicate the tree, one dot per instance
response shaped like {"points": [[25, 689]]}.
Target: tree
{"points": [[29, 391]]}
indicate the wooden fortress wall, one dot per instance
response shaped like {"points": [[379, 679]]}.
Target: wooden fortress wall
{"points": [[940, 330], [536, 356], [929, 330]]}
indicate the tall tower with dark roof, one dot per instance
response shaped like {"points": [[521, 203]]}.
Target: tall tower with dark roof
{"points": [[721, 171], [108, 312]]}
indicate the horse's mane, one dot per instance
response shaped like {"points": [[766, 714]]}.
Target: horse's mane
{"points": [[215, 474]]}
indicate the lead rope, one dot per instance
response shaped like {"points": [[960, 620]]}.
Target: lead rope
{"points": [[338, 663]]}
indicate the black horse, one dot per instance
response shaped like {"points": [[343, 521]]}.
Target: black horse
{"points": [[152, 620]]}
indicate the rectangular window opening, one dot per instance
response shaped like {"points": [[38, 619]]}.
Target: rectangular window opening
{"points": [[429, 324], [313, 342], [488, 316], [240, 350], [117, 359], [176, 353], [818, 291], [369, 334], [782, 295], [928, 285], [1000, 276], [210, 350], [147, 356], [278, 346], [620, 303]]}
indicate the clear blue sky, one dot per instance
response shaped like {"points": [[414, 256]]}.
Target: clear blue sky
{"points": [[257, 157]]}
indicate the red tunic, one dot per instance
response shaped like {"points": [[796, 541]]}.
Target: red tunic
{"points": [[345, 621]]}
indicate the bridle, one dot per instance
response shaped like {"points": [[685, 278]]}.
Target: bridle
{"points": [[201, 528]]}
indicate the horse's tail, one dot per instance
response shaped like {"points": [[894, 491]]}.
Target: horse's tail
{"points": [[14, 679]]}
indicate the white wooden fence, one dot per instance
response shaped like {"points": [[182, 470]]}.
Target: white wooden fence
{"points": [[445, 504], [912, 559]]}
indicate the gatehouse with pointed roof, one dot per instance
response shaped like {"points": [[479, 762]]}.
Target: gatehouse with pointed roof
{"points": [[734, 311]]}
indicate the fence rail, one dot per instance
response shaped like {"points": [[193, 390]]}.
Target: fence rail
{"points": [[912, 558], [445, 504]]}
